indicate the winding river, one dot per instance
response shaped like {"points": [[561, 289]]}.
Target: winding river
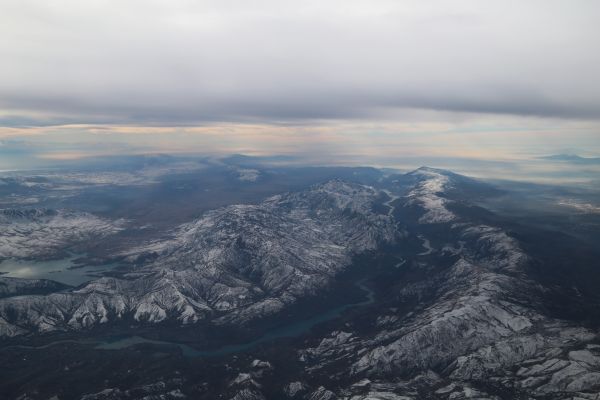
{"points": [[294, 329]]}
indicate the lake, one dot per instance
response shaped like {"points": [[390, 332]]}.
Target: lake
{"points": [[64, 271]]}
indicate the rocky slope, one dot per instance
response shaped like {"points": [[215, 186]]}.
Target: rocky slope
{"points": [[233, 264], [45, 233], [476, 328], [457, 312], [482, 334]]}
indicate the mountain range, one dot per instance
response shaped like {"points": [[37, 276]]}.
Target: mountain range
{"points": [[463, 304]]}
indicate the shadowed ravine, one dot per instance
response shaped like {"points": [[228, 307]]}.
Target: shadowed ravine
{"points": [[291, 330], [294, 329]]}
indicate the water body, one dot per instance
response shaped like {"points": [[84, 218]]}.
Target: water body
{"points": [[45, 346], [293, 329], [401, 263], [63, 271], [426, 246], [388, 203]]}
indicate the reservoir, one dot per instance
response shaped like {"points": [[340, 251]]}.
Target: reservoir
{"points": [[64, 271]]}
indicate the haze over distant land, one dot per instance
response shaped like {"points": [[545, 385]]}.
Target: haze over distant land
{"points": [[476, 86], [573, 158], [299, 200]]}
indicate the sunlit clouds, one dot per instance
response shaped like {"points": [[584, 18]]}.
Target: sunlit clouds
{"points": [[349, 142], [343, 82]]}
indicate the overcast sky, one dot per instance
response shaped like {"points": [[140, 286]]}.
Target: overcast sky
{"points": [[169, 64]]}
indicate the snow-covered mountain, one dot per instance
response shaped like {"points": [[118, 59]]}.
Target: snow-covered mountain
{"points": [[482, 334], [483, 328], [43, 232], [458, 314], [233, 264]]}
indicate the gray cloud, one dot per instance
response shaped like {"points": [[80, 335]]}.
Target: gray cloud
{"points": [[185, 62]]}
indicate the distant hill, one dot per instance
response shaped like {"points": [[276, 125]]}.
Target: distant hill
{"points": [[573, 158]]}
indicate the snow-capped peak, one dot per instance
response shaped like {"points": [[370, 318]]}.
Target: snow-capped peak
{"points": [[427, 193]]}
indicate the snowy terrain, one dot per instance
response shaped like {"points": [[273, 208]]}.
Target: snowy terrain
{"points": [[468, 322], [44, 233], [428, 195], [233, 264]]}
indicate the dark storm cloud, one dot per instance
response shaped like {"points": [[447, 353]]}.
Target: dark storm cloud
{"points": [[183, 62]]}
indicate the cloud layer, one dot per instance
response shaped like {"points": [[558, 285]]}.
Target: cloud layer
{"points": [[191, 62]]}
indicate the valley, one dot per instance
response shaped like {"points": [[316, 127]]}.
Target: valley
{"points": [[359, 286]]}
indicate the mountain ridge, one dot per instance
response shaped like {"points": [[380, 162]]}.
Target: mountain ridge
{"points": [[456, 314]]}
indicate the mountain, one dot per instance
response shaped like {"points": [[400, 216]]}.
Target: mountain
{"points": [[234, 264], [460, 303], [46, 233], [18, 287]]}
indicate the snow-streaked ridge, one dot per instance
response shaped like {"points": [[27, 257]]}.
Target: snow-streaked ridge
{"points": [[43, 232], [427, 194], [234, 264]]}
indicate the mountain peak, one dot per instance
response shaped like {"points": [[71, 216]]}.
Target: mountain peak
{"points": [[430, 172], [425, 168]]}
